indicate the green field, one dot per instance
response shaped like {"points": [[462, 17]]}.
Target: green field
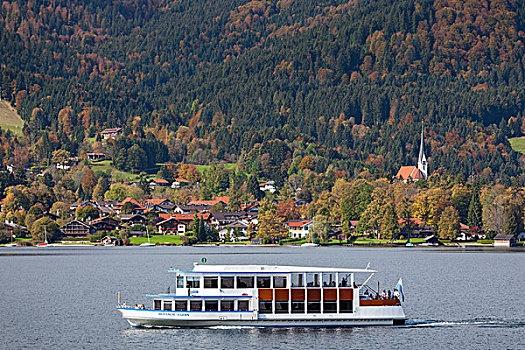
{"points": [[202, 168], [106, 165], [518, 144], [9, 119], [157, 239]]}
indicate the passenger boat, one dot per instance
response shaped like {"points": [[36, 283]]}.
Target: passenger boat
{"points": [[267, 296]]}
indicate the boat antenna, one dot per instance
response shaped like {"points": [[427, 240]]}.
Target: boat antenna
{"points": [[367, 266]]}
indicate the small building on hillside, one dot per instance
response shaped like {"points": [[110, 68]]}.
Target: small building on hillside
{"points": [[111, 133], [179, 182], [268, 186], [77, 228], [299, 228], [504, 241], [158, 182], [95, 156]]}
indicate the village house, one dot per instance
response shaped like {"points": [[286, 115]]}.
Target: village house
{"points": [[13, 228], [504, 241], [185, 209], [111, 133], [415, 228], [220, 219], [179, 182], [158, 182], [95, 157], [137, 207], [133, 219], [77, 228], [224, 200], [240, 227], [268, 186], [171, 226], [105, 224], [299, 228]]}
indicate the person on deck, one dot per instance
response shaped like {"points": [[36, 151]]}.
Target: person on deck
{"points": [[396, 294]]}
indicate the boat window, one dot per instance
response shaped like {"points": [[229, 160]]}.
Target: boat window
{"points": [[329, 306], [312, 280], [297, 280], [211, 305], [244, 282], [227, 282], [344, 280], [329, 279], [345, 306], [167, 305], [180, 281], [265, 307], [263, 282], [157, 304], [226, 305], [181, 305], [211, 282], [243, 305], [314, 307], [279, 281], [195, 305], [193, 282], [281, 307], [298, 307]]}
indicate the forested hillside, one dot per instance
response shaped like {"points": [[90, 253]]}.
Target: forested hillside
{"points": [[268, 83]]}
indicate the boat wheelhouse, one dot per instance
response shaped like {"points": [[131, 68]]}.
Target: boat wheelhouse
{"points": [[267, 296]]}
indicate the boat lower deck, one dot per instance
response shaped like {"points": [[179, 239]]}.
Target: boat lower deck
{"points": [[161, 318]]}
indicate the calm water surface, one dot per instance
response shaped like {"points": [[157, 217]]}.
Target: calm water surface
{"points": [[61, 298]]}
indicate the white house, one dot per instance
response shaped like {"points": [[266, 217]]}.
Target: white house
{"points": [[299, 228], [241, 226], [268, 186]]}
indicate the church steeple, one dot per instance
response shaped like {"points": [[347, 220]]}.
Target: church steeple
{"points": [[422, 160]]}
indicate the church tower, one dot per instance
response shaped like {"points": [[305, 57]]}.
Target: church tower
{"points": [[422, 164]]}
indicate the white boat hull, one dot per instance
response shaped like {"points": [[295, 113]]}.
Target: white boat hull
{"points": [[159, 318]]}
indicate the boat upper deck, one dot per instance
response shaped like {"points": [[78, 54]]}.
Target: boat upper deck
{"points": [[266, 269]]}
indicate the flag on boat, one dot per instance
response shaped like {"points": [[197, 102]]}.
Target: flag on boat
{"points": [[399, 288]]}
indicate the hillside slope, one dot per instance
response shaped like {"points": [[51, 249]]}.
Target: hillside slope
{"points": [[353, 78]]}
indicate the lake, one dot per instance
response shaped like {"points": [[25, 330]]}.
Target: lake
{"points": [[60, 298]]}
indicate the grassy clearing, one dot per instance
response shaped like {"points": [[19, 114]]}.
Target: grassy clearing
{"points": [[157, 239], [9, 118], [106, 165], [518, 144], [202, 168]]}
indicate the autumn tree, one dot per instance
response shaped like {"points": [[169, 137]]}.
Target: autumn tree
{"points": [[448, 227], [271, 227], [45, 227], [189, 172], [86, 212], [320, 228], [100, 188]]}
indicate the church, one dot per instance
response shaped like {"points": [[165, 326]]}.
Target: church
{"points": [[411, 172]]}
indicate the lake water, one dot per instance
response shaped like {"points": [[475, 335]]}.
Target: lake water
{"points": [[61, 298]]}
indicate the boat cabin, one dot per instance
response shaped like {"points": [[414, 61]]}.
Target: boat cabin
{"points": [[265, 290]]}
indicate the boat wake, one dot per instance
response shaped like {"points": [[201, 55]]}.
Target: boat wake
{"points": [[232, 327], [473, 322]]}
